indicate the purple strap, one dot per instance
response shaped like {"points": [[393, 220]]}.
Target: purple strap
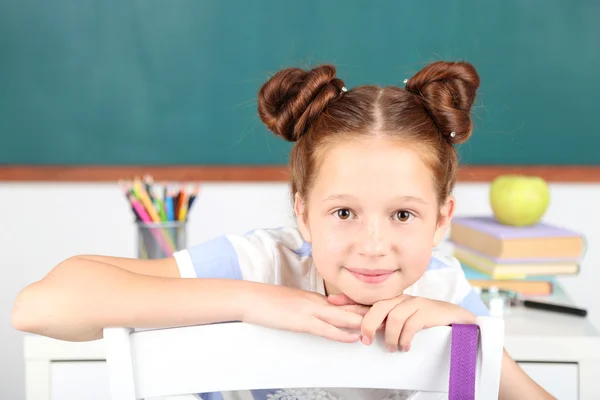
{"points": [[463, 362]]}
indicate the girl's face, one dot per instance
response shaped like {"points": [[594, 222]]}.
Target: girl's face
{"points": [[372, 218]]}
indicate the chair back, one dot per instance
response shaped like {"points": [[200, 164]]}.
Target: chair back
{"points": [[239, 356]]}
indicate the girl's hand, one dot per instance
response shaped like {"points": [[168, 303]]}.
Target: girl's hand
{"points": [[297, 310], [404, 316]]}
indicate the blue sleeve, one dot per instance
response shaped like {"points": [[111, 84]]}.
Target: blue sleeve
{"points": [[215, 258], [474, 304]]}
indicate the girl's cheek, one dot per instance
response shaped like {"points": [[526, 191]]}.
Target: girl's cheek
{"points": [[336, 239]]}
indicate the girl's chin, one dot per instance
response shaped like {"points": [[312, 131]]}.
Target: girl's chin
{"points": [[361, 296], [364, 293]]}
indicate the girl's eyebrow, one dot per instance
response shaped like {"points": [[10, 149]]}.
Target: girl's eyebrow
{"points": [[337, 197], [405, 199], [413, 199]]}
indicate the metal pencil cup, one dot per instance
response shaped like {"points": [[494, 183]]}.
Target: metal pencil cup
{"points": [[160, 240]]}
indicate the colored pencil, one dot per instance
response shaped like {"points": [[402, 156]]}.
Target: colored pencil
{"points": [[161, 209], [148, 182], [163, 202], [169, 206], [154, 197], [145, 200], [176, 204], [182, 209], [139, 209], [193, 196], [127, 189]]}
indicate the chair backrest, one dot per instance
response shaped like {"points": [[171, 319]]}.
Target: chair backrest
{"points": [[239, 356]]}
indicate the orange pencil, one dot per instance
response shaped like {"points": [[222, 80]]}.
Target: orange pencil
{"points": [[182, 205]]}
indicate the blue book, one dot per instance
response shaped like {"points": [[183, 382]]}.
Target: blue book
{"points": [[528, 285]]}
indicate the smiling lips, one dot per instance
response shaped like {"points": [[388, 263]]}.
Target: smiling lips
{"points": [[371, 275]]}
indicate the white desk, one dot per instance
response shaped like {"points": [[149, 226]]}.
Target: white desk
{"points": [[560, 352]]}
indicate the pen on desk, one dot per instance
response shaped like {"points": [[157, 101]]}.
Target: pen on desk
{"points": [[555, 307]]}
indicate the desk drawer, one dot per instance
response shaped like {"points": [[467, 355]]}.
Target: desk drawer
{"points": [[560, 379]]}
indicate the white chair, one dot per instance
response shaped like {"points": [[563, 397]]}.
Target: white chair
{"points": [[238, 356]]}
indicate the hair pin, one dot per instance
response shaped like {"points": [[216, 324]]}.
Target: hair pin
{"points": [[405, 81], [344, 89], [452, 134]]}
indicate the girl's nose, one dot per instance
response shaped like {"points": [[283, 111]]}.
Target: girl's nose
{"points": [[375, 241]]}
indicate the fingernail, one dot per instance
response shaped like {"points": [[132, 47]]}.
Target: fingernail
{"points": [[365, 340], [391, 349]]}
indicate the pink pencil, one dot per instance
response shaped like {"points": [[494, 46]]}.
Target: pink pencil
{"points": [[145, 217]]}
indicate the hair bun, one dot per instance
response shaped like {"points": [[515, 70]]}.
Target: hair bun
{"points": [[293, 98], [447, 91]]}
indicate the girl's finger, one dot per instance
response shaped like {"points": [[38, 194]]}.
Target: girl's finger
{"points": [[377, 316], [339, 317], [340, 299], [359, 309], [413, 324], [320, 328], [394, 323], [373, 320]]}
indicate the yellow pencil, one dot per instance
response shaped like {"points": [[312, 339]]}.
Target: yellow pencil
{"points": [[135, 187], [145, 199]]}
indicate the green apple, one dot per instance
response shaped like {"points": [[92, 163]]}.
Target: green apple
{"points": [[519, 200]]}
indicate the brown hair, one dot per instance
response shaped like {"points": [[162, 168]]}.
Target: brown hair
{"points": [[313, 109]]}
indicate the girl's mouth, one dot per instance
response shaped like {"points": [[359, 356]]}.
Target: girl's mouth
{"points": [[372, 276]]}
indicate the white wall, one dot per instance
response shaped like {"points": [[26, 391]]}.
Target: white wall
{"points": [[43, 224]]}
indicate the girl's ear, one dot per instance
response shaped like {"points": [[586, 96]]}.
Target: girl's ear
{"points": [[445, 217], [301, 217]]}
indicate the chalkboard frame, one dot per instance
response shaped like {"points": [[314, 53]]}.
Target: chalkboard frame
{"points": [[270, 173]]}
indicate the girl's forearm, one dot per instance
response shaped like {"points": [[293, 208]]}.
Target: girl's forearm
{"points": [[515, 384], [81, 297]]}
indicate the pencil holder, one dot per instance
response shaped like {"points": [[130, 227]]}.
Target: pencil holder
{"points": [[160, 240]]}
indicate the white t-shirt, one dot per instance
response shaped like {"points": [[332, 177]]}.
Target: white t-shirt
{"points": [[282, 257]]}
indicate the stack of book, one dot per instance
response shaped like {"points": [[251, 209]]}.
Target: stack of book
{"points": [[525, 260]]}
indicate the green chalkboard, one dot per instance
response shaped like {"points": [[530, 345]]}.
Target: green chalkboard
{"points": [[160, 82]]}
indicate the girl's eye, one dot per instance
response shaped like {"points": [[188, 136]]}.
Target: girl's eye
{"points": [[403, 215], [343, 213]]}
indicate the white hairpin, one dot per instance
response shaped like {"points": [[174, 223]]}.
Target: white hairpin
{"points": [[452, 134], [405, 81], [344, 89]]}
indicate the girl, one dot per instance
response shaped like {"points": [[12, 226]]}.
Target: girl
{"points": [[372, 172]]}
